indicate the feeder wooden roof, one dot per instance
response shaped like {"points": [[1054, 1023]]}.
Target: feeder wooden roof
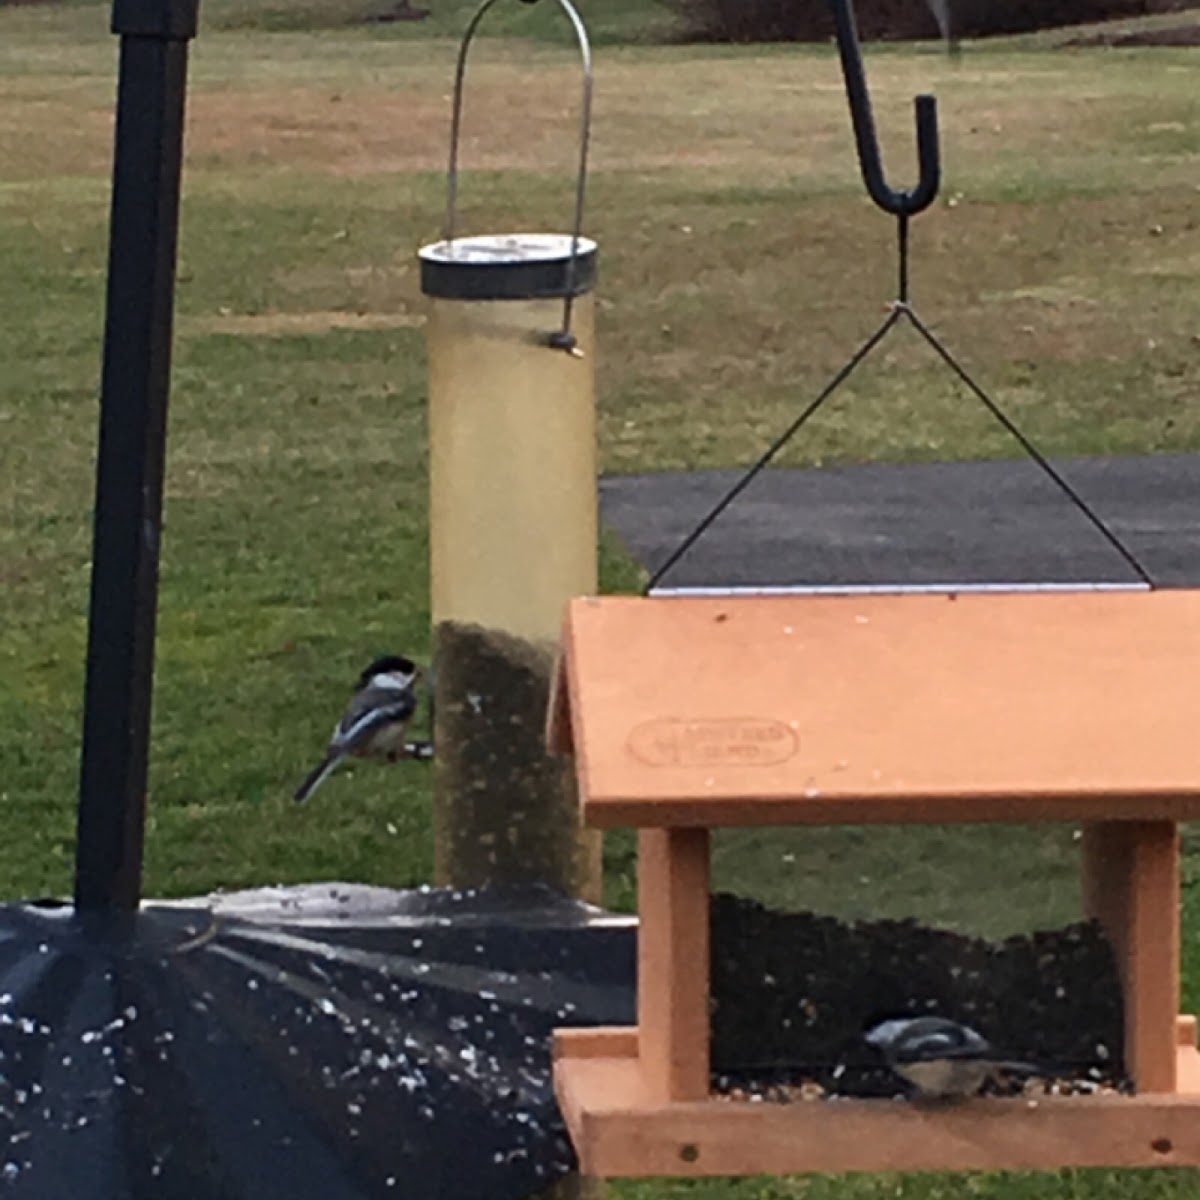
{"points": [[702, 711]]}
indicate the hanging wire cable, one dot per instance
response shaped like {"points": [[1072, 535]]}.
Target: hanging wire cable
{"points": [[773, 449], [902, 205], [1030, 449], [901, 310]]}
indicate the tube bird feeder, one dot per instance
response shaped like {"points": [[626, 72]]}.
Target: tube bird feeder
{"points": [[513, 531]]}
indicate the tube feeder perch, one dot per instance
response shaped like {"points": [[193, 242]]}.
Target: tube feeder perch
{"points": [[686, 714]]}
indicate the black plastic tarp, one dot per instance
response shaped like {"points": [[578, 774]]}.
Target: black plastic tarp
{"points": [[332, 1041]]}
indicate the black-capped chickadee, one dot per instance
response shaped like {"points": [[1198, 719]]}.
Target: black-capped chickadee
{"points": [[941, 1059], [375, 721]]}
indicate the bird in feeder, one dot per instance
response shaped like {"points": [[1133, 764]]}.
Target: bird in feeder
{"points": [[375, 722], [940, 1058]]}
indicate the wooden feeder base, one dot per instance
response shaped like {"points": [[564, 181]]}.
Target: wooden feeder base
{"points": [[621, 1131]]}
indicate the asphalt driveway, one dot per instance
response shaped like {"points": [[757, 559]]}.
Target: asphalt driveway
{"points": [[975, 522]]}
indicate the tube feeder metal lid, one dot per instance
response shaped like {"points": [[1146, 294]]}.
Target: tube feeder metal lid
{"points": [[513, 266]]}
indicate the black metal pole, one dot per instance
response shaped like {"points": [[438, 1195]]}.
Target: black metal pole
{"points": [[129, 471]]}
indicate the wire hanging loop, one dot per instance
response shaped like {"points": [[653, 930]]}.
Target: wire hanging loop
{"points": [[898, 203], [561, 339]]}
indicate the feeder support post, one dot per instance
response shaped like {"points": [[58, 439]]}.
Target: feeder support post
{"points": [[513, 531], [129, 471]]}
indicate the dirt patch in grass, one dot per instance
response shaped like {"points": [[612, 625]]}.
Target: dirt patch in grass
{"points": [[776, 119], [47, 130], [1177, 35], [784, 120], [14, 571], [359, 131], [325, 129], [297, 324]]}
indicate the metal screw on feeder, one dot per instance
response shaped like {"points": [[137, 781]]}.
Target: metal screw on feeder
{"points": [[513, 527]]}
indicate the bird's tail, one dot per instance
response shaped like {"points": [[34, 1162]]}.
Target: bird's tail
{"points": [[317, 776], [1019, 1068]]}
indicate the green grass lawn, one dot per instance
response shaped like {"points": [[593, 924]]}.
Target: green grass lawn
{"points": [[740, 264]]}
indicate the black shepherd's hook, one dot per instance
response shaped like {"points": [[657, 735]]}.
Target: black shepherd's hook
{"points": [[899, 204]]}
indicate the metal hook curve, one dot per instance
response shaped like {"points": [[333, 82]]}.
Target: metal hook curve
{"points": [[562, 339], [891, 200]]}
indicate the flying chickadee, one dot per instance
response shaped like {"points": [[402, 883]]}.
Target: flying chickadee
{"points": [[375, 721], [940, 1058]]}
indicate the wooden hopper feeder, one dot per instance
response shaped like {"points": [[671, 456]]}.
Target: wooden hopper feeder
{"points": [[688, 714]]}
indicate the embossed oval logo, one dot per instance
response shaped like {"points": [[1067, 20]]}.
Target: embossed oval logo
{"points": [[726, 741]]}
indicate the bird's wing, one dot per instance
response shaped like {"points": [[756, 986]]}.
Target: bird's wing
{"points": [[370, 710], [937, 1051], [924, 1041]]}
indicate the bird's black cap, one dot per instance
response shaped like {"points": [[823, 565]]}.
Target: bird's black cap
{"points": [[385, 664]]}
